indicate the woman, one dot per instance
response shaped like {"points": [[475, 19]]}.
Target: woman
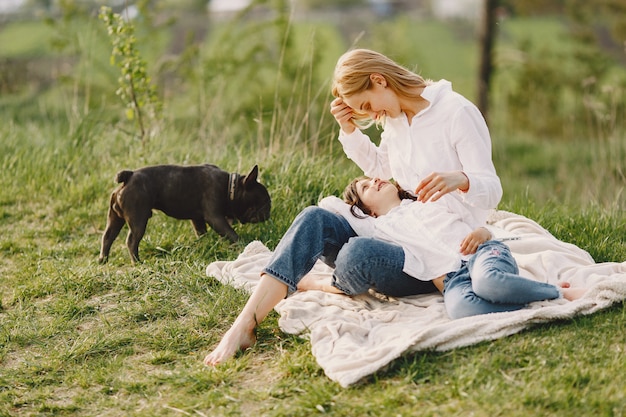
{"points": [[434, 142], [436, 242]]}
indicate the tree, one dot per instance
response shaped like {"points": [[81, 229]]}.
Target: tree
{"points": [[487, 36]]}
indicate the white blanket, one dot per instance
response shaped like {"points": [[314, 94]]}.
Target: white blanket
{"points": [[352, 337]]}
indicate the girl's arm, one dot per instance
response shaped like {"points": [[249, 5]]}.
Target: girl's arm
{"points": [[470, 244]]}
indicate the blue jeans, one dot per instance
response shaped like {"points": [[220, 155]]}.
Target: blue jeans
{"points": [[490, 282], [360, 263]]}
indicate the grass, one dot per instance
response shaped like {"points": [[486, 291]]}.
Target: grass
{"points": [[24, 38], [79, 338]]}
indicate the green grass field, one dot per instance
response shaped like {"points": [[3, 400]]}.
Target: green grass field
{"points": [[79, 338]]}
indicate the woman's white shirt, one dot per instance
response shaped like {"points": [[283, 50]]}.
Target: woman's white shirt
{"points": [[449, 135]]}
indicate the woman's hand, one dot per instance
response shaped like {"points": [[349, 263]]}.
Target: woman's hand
{"points": [[438, 184], [470, 244], [343, 114]]}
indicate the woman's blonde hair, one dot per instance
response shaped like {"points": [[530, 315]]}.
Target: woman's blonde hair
{"points": [[357, 207], [352, 76]]}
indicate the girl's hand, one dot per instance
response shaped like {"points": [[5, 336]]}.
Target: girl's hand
{"points": [[470, 244], [343, 114], [438, 184]]}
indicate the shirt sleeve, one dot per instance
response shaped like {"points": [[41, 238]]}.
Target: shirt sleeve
{"points": [[372, 159], [363, 226], [471, 139]]}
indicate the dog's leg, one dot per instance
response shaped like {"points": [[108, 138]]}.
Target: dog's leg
{"points": [[199, 225], [223, 228], [137, 226], [113, 228]]}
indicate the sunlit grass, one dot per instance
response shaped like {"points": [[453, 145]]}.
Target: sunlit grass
{"points": [[80, 338]]}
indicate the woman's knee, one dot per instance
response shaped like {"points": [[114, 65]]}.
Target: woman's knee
{"points": [[351, 275], [323, 220], [312, 214], [353, 253]]}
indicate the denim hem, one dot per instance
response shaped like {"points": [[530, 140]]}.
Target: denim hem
{"points": [[333, 283], [559, 290], [291, 286]]}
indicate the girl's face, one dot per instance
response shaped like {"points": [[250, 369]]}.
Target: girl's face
{"points": [[376, 194], [377, 102]]}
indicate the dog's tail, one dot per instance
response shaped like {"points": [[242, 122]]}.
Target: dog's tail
{"points": [[123, 176]]}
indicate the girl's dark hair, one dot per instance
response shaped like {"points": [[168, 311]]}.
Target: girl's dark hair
{"points": [[351, 196]]}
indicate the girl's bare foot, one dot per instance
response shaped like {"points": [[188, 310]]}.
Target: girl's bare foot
{"points": [[320, 282], [310, 282], [572, 294], [234, 340]]}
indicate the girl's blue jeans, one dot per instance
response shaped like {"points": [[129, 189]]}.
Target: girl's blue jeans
{"points": [[360, 263], [490, 282]]}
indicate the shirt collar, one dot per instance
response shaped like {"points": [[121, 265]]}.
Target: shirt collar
{"points": [[432, 91], [404, 203]]}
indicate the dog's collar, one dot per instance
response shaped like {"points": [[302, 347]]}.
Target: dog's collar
{"points": [[231, 186]]}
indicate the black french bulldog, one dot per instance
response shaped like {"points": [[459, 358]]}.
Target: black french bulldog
{"points": [[201, 193]]}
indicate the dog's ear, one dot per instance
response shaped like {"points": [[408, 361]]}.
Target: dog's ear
{"points": [[251, 177]]}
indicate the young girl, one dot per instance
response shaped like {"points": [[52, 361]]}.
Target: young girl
{"points": [[437, 241]]}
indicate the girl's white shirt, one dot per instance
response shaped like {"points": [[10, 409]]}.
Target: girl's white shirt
{"points": [[449, 135], [429, 233]]}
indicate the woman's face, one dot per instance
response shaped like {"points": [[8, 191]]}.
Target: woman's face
{"points": [[377, 102], [375, 194]]}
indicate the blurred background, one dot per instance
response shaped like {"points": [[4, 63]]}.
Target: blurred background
{"points": [[549, 76]]}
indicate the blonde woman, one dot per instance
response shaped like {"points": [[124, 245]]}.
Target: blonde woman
{"points": [[434, 141]]}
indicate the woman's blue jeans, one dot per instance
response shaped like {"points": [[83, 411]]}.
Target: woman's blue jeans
{"points": [[360, 263], [490, 282]]}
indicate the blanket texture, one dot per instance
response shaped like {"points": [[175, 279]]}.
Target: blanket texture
{"points": [[353, 337]]}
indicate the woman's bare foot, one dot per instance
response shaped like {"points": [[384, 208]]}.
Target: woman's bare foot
{"points": [[264, 298], [236, 338]]}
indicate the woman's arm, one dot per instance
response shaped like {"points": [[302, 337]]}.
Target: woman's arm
{"points": [[470, 137], [438, 184], [372, 159], [476, 181], [343, 115]]}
